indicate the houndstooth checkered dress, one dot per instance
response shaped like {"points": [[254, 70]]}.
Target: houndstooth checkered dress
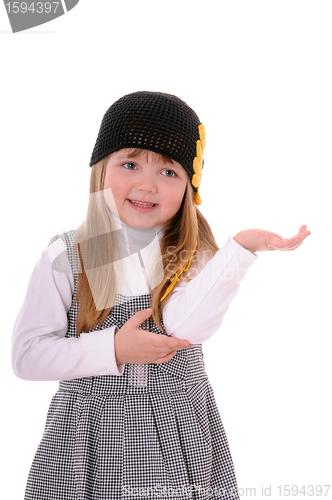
{"points": [[153, 432]]}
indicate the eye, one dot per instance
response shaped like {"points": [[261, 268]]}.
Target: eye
{"points": [[130, 165], [167, 170]]}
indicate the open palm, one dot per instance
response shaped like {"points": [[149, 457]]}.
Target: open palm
{"points": [[258, 240]]}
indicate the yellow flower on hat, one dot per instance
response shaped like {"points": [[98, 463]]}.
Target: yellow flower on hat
{"points": [[198, 163], [202, 136]]}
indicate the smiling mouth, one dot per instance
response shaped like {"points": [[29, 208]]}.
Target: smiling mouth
{"points": [[140, 204]]}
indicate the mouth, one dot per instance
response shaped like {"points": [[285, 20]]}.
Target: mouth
{"points": [[141, 207], [141, 203]]}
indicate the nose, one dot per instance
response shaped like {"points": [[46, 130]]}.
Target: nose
{"points": [[147, 182]]}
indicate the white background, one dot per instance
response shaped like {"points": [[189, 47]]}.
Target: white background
{"points": [[258, 74]]}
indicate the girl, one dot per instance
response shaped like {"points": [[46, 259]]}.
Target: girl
{"points": [[117, 312]]}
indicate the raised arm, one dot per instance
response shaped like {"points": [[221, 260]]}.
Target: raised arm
{"points": [[196, 309]]}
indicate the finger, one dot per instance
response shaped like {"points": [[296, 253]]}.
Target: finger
{"points": [[289, 243], [166, 358], [297, 243], [163, 341], [138, 318], [300, 237], [292, 247], [283, 243]]}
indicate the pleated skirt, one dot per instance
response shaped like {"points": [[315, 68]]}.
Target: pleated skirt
{"points": [[154, 432]]}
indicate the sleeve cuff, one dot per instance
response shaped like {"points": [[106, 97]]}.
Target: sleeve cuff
{"points": [[240, 247], [100, 347]]}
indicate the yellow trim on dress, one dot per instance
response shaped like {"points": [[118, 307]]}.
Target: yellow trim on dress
{"points": [[176, 278], [196, 181]]}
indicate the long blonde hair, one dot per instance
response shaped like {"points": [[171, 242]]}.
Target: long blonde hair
{"points": [[96, 243]]}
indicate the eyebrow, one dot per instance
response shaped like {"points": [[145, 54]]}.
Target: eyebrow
{"points": [[132, 159]]}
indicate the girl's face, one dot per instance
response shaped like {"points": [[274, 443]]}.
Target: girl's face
{"points": [[147, 179]]}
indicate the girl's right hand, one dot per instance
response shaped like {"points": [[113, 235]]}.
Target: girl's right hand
{"points": [[132, 344]]}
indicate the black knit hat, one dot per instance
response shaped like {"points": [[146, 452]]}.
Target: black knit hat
{"points": [[159, 122]]}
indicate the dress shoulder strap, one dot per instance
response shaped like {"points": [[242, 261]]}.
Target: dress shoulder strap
{"points": [[72, 254]]}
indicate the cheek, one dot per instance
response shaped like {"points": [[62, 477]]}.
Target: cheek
{"points": [[114, 182], [173, 202], [175, 197], [107, 179], [112, 190]]}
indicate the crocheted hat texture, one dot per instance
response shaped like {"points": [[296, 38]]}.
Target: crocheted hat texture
{"points": [[156, 121]]}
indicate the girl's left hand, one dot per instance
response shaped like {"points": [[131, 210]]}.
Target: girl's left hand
{"points": [[258, 240]]}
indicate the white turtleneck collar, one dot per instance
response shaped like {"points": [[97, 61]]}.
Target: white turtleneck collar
{"points": [[120, 223], [140, 268]]}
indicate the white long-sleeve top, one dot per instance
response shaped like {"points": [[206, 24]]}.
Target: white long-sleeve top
{"points": [[194, 311]]}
